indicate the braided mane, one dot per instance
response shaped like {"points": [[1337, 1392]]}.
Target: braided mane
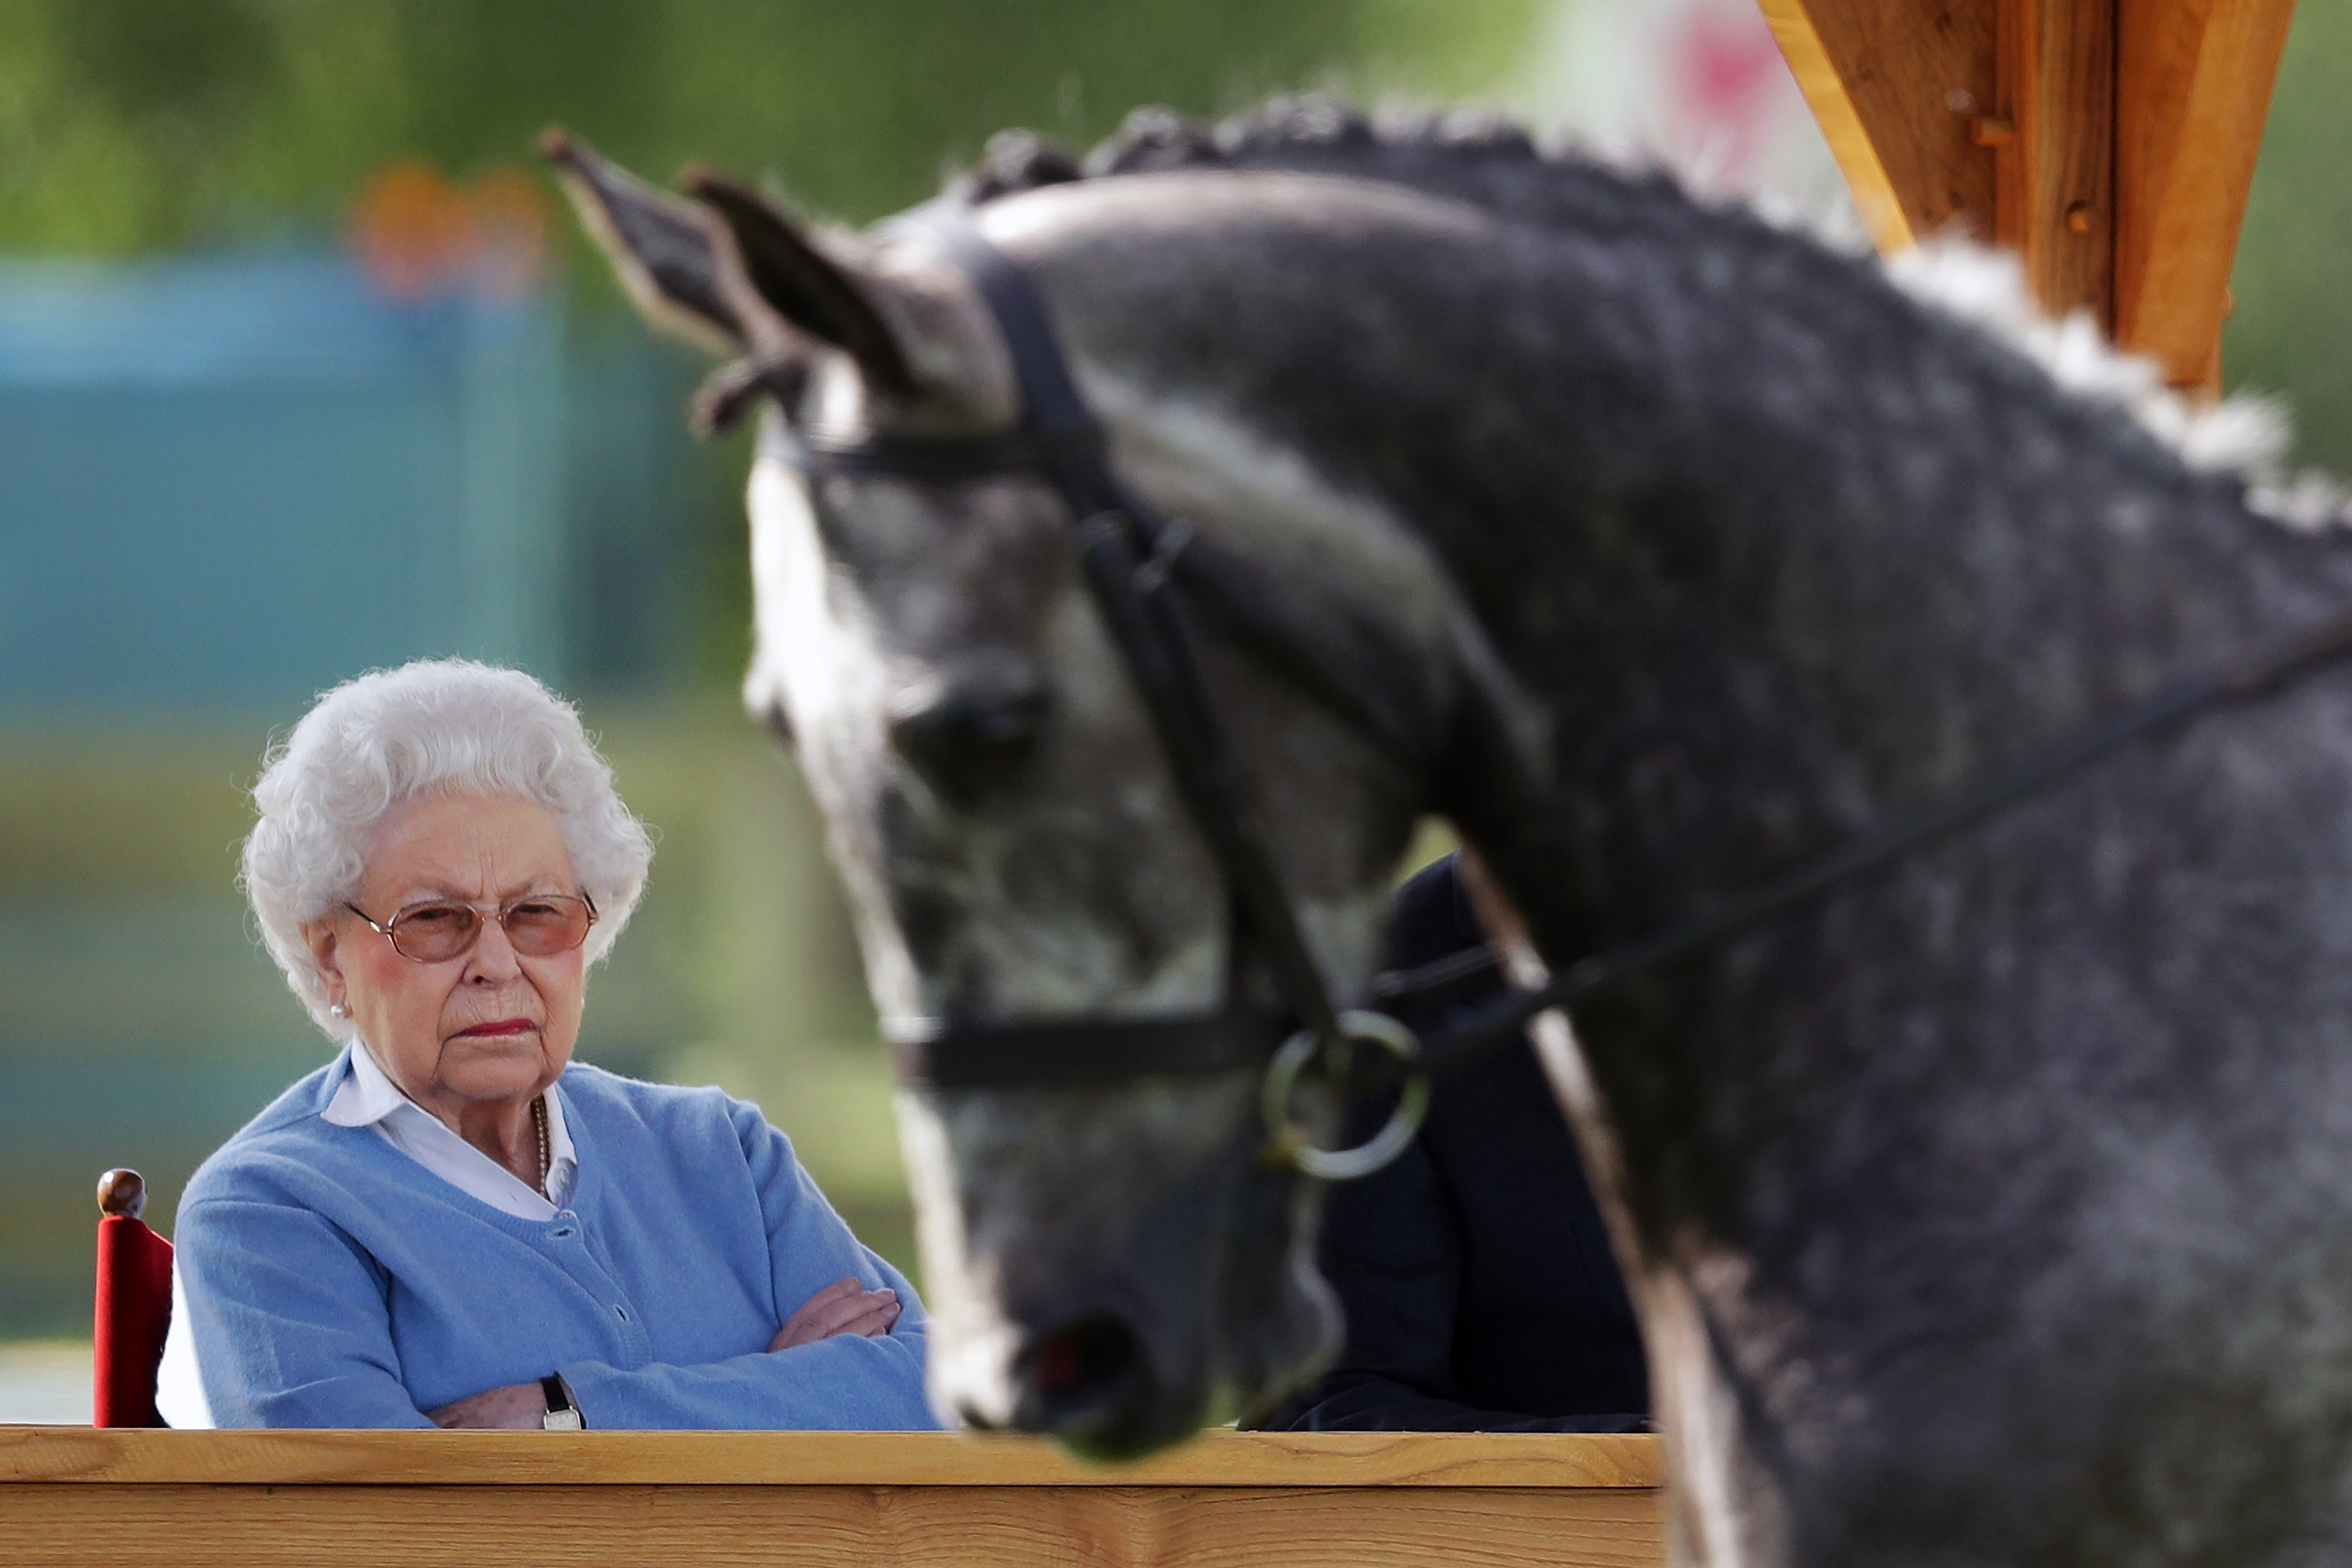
{"points": [[1470, 155], [1489, 161]]}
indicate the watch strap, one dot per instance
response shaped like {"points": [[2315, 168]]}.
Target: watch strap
{"points": [[562, 1416]]}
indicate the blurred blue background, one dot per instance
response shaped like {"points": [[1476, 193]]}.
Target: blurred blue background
{"points": [[302, 372]]}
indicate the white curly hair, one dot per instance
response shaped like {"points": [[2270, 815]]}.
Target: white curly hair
{"points": [[436, 726]]}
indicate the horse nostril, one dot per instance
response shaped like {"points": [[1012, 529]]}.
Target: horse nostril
{"points": [[974, 743], [1061, 1365], [1090, 1366]]}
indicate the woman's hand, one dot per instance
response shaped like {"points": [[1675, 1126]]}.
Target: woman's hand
{"points": [[516, 1407], [843, 1307]]}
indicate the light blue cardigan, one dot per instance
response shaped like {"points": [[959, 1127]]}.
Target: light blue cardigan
{"points": [[331, 1282]]}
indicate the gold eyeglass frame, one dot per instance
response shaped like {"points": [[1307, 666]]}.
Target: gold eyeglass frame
{"points": [[498, 912]]}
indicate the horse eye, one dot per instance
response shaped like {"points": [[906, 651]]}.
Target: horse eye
{"points": [[974, 743]]}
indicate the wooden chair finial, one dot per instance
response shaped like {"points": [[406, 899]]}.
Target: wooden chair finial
{"points": [[122, 1192]]}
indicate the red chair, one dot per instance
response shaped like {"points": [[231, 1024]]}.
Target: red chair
{"points": [[134, 1305]]}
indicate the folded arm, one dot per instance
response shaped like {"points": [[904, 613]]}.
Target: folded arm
{"points": [[846, 1383], [292, 1319], [843, 1380]]}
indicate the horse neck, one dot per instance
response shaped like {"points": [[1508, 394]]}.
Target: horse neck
{"points": [[1773, 546], [1789, 593], [1776, 547]]}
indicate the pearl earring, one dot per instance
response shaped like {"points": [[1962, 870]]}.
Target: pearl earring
{"points": [[337, 1010]]}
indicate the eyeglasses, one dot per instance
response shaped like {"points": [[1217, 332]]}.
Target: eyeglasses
{"points": [[539, 926]]}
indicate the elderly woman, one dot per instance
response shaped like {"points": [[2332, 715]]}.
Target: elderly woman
{"points": [[456, 1223]]}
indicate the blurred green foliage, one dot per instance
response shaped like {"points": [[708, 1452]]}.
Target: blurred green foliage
{"points": [[130, 125], [2293, 328]]}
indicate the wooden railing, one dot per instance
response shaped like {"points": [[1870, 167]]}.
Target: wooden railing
{"points": [[850, 1499]]}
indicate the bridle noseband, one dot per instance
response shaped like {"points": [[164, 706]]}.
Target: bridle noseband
{"points": [[1133, 562]]}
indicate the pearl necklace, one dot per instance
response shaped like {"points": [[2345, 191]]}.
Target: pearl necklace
{"points": [[546, 1149]]}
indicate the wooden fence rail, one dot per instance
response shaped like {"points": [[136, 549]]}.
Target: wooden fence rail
{"points": [[76, 1496]]}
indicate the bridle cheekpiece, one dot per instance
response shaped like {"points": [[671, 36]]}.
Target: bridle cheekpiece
{"points": [[1127, 554]]}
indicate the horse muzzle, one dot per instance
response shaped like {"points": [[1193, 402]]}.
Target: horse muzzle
{"points": [[1114, 1269]]}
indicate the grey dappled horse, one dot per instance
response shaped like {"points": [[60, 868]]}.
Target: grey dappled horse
{"points": [[1996, 1208]]}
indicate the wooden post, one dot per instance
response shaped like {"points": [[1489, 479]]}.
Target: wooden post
{"points": [[1898, 88], [2054, 163], [2192, 90], [2109, 142]]}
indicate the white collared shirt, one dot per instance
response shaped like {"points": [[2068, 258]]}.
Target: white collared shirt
{"points": [[368, 1097]]}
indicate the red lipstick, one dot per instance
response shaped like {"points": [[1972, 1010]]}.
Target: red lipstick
{"points": [[503, 1027]]}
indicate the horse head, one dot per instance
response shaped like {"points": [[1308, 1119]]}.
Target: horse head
{"points": [[1120, 1258]]}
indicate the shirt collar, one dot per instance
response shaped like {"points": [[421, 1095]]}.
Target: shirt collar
{"points": [[367, 1096]]}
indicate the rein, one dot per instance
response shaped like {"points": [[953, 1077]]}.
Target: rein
{"points": [[1132, 559]]}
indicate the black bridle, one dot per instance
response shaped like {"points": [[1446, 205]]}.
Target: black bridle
{"points": [[1134, 562], [1128, 555]]}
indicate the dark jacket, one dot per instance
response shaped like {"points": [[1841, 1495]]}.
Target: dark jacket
{"points": [[1480, 1289]]}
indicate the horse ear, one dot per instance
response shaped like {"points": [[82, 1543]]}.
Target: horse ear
{"points": [[815, 292], [660, 246]]}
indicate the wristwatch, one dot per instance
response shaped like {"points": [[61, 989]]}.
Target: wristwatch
{"points": [[562, 1416]]}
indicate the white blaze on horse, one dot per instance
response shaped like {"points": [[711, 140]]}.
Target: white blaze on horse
{"points": [[1991, 1205]]}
